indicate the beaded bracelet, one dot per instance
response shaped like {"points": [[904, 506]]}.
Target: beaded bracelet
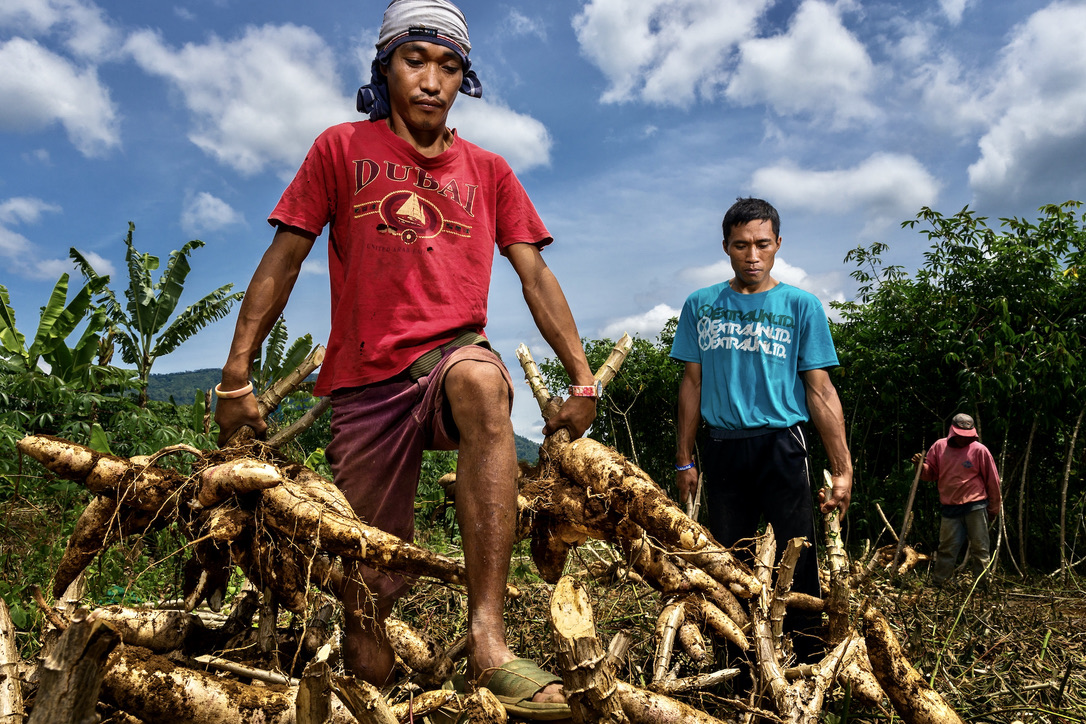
{"points": [[233, 394], [685, 467]]}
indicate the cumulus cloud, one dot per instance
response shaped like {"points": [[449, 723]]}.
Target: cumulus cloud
{"points": [[647, 325], [522, 140], [83, 26], [885, 187], [816, 67], [666, 52], [1035, 146], [40, 88], [203, 212], [257, 101]]}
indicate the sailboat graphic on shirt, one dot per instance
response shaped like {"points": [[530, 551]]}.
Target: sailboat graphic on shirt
{"points": [[410, 212]]}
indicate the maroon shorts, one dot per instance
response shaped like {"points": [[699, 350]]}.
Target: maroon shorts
{"points": [[379, 433]]}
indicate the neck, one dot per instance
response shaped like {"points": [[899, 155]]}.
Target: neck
{"points": [[739, 288], [428, 142]]}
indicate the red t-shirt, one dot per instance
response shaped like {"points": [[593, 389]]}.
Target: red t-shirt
{"points": [[411, 244]]}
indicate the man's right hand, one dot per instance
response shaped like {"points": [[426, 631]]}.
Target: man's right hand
{"points": [[234, 414], [687, 480]]}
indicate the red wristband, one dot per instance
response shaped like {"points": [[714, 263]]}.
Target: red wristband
{"points": [[595, 390]]}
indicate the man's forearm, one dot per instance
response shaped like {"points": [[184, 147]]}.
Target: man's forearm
{"points": [[265, 298], [829, 420], [689, 417], [553, 318]]}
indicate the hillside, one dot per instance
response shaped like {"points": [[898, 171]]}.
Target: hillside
{"points": [[182, 387]]}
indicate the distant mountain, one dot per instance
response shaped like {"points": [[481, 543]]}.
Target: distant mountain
{"points": [[183, 386]]}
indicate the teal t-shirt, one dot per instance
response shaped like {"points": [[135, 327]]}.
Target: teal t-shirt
{"points": [[751, 348]]}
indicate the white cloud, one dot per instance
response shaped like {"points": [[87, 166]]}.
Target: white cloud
{"points": [[1034, 149], [647, 325], [101, 265], [204, 212], [817, 67], [519, 24], [664, 51], [522, 140], [19, 255], [84, 27], [885, 188], [13, 245], [257, 101], [24, 210], [954, 9], [314, 267], [40, 88], [947, 99]]}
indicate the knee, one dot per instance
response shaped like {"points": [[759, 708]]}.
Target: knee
{"points": [[477, 390]]}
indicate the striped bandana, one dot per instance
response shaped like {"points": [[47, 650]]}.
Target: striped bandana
{"points": [[433, 21]]}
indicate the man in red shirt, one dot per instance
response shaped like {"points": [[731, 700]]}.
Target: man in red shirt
{"points": [[968, 495], [415, 213]]}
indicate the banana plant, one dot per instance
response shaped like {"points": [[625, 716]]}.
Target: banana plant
{"points": [[275, 360], [145, 326], [59, 319]]}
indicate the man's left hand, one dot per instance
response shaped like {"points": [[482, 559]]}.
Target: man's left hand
{"points": [[576, 415], [840, 495]]}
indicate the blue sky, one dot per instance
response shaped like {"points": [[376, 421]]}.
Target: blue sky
{"points": [[633, 124]]}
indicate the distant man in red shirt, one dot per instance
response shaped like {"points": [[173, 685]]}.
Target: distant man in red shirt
{"points": [[415, 214], [968, 495]]}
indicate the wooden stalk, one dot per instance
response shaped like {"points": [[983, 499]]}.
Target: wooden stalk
{"points": [[588, 679], [71, 676], [284, 386], [907, 521], [363, 700], [303, 423], [11, 694], [837, 608]]}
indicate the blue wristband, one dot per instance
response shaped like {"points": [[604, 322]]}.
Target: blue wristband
{"points": [[685, 467]]}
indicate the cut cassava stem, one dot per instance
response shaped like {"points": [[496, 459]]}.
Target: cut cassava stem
{"points": [[837, 600], [270, 399]]}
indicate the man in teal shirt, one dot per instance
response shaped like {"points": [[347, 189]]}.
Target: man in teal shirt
{"points": [[756, 354]]}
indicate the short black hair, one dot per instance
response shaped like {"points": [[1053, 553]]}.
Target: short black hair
{"points": [[746, 210]]}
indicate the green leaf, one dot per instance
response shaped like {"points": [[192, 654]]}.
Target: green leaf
{"points": [[99, 440]]}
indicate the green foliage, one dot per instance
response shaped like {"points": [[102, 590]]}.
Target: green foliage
{"points": [[994, 325], [143, 326]]}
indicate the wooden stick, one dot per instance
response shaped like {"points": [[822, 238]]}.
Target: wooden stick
{"points": [[11, 694], [614, 361], [275, 394], [908, 513], [300, 425]]}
